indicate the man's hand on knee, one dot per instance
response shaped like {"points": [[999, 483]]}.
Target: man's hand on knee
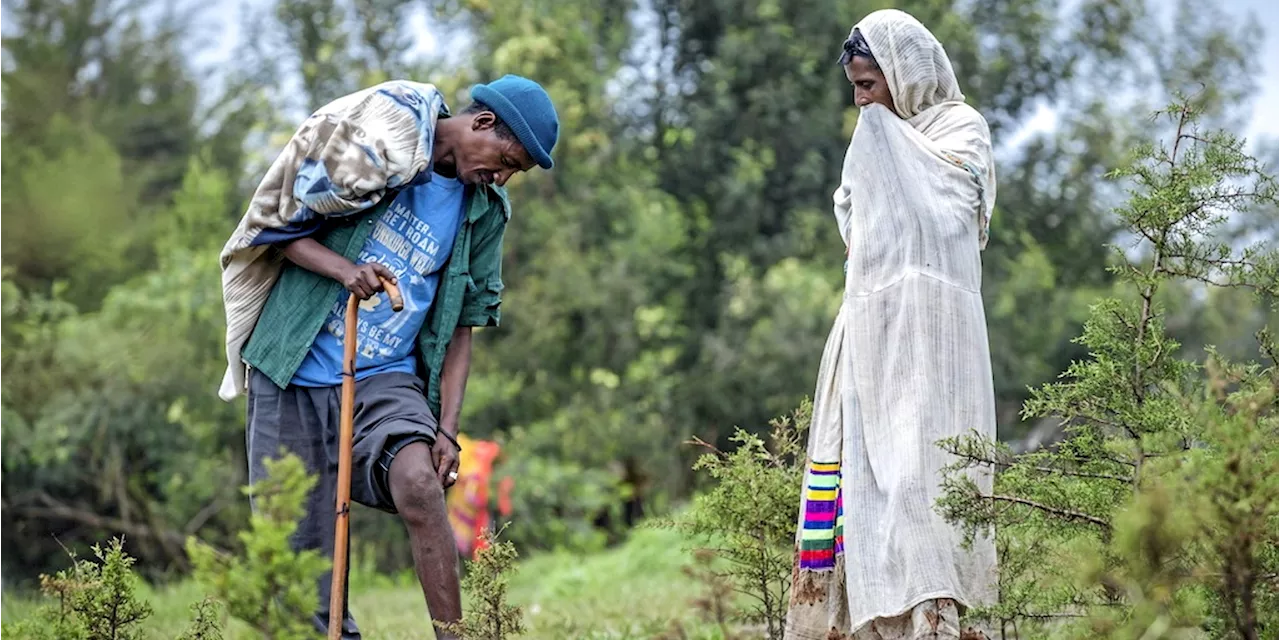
{"points": [[415, 487], [444, 455]]}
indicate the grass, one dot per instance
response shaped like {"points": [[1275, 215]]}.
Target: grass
{"points": [[636, 590]]}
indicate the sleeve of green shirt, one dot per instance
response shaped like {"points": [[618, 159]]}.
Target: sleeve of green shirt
{"points": [[481, 305]]}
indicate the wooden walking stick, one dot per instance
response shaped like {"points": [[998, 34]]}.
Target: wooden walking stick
{"points": [[342, 526]]}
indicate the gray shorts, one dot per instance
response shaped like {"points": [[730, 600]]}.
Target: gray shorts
{"points": [[390, 412]]}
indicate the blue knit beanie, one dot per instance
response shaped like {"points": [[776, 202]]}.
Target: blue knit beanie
{"points": [[525, 107]]}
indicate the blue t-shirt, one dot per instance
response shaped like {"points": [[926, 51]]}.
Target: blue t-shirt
{"points": [[413, 239]]}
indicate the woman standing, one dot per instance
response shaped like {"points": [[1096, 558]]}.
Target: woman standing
{"points": [[907, 361]]}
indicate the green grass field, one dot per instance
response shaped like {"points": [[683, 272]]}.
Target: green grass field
{"points": [[635, 590]]}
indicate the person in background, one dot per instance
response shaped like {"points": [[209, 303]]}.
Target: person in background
{"points": [[470, 506]]}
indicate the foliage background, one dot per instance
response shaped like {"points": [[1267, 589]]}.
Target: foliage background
{"points": [[675, 276]]}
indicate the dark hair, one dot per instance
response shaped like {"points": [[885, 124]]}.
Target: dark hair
{"points": [[500, 128], [856, 47]]}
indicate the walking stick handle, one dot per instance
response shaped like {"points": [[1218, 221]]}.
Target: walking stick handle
{"points": [[393, 292]]}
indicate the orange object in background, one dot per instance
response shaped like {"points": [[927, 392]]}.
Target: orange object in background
{"points": [[468, 500]]}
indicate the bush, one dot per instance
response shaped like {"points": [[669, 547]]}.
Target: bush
{"points": [[491, 617], [270, 586], [748, 519], [98, 600]]}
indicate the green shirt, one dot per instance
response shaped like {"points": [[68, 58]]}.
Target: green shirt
{"points": [[470, 292]]}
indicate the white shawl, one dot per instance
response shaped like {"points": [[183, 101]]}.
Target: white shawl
{"points": [[907, 361]]}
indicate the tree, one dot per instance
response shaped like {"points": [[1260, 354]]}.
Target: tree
{"points": [[1143, 424], [99, 121], [113, 426], [581, 379]]}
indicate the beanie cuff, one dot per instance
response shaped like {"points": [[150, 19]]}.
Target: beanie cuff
{"points": [[513, 118]]}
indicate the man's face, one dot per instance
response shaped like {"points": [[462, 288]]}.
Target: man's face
{"points": [[869, 85], [484, 157]]}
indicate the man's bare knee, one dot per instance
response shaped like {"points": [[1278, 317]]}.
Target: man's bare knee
{"points": [[415, 488]]}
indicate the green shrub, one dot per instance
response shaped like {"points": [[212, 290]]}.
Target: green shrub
{"points": [[747, 520], [491, 617], [269, 586]]}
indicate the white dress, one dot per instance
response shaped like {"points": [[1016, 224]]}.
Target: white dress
{"points": [[915, 363], [907, 362]]}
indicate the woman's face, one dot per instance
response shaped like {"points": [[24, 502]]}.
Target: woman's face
{"points": [[869, 85]]}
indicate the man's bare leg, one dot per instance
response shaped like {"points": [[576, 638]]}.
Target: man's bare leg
{"points": [[419, 498]]}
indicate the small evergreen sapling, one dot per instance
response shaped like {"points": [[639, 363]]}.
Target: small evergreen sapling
{"points": [[1156, 514], [490, 617], [270, 586], [748, 518]]}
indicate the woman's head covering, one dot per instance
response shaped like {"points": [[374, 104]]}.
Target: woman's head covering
{"points": [[912, 60]]}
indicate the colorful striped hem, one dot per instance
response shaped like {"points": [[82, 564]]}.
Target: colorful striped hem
{"points": [[822, 528]]}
